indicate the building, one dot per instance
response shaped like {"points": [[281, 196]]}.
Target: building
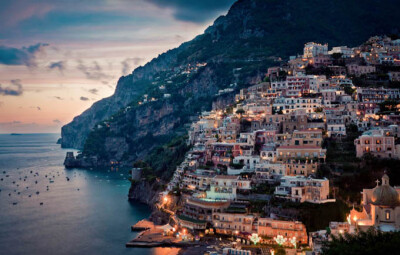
{"points": [[301, 167], [198, 212], [312, 49], [287, 104], [344, 50], [233, 223], [223, 187], [288, 229], [394, 76], [243, 224], [304, 152], [358, 70], [380, 208], [377, 95], [302, 189], [321, 60], [377, 142]]}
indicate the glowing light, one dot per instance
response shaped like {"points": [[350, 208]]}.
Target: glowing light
{"points": [[293, 241], [279, 239], [255, 238]]}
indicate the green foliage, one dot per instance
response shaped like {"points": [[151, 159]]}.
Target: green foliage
{"points": [[389, 106], [371, 242], [163, 160], [310, 214], [95, 141], [349, 90], [280, 251], [240, 111]]}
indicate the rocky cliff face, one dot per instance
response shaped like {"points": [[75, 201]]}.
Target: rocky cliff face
{"points": [[233, 53], [144, 192]]}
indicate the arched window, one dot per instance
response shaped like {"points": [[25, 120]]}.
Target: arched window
{"points": [[387, 215]]}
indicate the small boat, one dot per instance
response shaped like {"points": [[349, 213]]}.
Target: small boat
{"points": [[37, 192], [15, 203], [51, 181], [41, 203]]}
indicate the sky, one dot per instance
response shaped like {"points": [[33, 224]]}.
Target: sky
{"points": [[57, 57]]}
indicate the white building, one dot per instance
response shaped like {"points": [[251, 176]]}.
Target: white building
{"points": [[302, 189], [344, 50], [312, 49]]}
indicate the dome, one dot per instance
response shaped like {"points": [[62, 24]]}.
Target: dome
{"points": [[385, 195]]}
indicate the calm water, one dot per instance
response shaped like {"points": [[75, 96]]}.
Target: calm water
{"points": [[89, 214]]}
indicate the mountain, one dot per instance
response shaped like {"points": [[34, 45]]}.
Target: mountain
{"points": [[231, 54]]}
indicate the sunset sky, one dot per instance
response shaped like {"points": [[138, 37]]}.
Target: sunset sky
{"points": [[58, 57]]}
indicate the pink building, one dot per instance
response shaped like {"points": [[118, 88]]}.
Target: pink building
{"points": [[297, 85], [321, 60], [358, 70], [376, 142]]}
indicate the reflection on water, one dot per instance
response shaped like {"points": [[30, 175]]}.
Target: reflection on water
{"points": [[46, 209], [166, 251]]}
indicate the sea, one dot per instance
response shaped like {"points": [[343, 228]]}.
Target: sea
{"points": [[47, 209]]}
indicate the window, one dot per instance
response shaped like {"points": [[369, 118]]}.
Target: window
{"points": [[387, 215]]}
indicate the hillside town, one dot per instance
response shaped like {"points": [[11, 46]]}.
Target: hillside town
{"points": [[268, 149]]}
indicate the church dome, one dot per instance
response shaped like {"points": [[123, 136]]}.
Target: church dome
{"points": [[385, 195]]}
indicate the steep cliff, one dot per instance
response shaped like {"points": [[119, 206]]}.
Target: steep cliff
{"points": [[232, 53]]}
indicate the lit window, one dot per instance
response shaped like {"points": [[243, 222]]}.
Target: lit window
{"points": [[387, 215]]}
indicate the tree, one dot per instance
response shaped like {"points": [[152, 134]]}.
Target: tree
{"points": [[280, 251], [240, 112], [363, 243]]}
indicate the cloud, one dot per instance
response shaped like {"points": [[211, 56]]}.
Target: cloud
{"points": [[93, 71], [15, 89], [196, 11], [21, 56], [84, 98], [59, 65], [93, 91], [1, 103], [57, 121], [22, 127], [129, 63], [38, 108], [15, 122], [59, 98]]}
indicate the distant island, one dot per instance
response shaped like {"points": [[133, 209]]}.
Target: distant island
{"points": [[15, 134]]}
